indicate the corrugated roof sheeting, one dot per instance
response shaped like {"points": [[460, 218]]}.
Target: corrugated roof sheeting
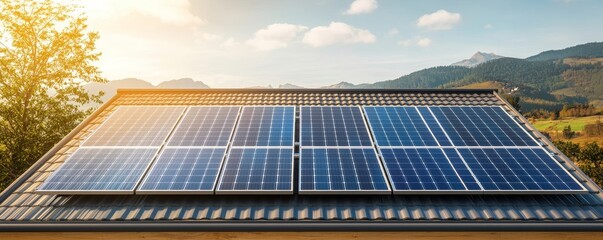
{"points": [[25, 205]]}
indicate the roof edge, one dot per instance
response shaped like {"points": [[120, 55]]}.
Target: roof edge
{"points": [[50, 153], [200, 226], [306, 90]]}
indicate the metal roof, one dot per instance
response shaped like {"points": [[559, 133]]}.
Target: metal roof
{"points": [[21, 208]]}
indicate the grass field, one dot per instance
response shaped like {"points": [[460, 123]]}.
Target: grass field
{"points": [[554, 128], [577, 124]]}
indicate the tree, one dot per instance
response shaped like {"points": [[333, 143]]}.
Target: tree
{"points": [[568, 133], [46, 55], [513, 100]]}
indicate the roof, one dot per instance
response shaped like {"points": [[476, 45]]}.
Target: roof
{"points": [[21, 208]]}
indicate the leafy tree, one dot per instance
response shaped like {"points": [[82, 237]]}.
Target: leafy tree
{"points": [[568, 133], [46, 54], [513, 100]]}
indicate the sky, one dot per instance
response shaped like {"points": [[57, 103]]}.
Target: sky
{"points": [[313, 43]]}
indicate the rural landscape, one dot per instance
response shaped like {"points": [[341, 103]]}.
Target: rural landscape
{"points": [[444, 119]]}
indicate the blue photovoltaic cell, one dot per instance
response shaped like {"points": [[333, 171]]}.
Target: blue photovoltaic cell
{"points": [[340, 170], [433, 125], [505, 169], [265, 126], [427, 169], [184, 169], [333, 126], [205, 126], [402, 126], [101, 170], [136, 126], [257, 170], [481, 126]]}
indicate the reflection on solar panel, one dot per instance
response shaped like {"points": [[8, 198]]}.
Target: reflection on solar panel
{"points": [[333, 126], [184, 170], [333, 171], [481, 126], [427, 170], [402, 126], [205, 126], [257, 170], [265, 126], [100, 171], [514, 170], [136, 126]]}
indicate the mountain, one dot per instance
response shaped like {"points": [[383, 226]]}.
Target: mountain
{"points": [[182, 83], [588, 50], [289, 86], [477, 59], [110, 87], [544, 81], [341, 85]]}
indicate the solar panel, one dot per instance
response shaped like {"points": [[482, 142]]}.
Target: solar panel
{"points": [[333, 126], [257, 170], [481, 126], [184, 171], [511, 170], [205, 126], [100, 171], [136, 126], [403, 126], [427, 170], [336, 171], [265, 126]]}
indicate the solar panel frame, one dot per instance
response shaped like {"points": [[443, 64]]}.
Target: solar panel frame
{"points": [[347, 192], [140, 191], [362, 116], [583, 190], [236, 128], [184, 115], [218, 191], [105, 121], [99, 192]]}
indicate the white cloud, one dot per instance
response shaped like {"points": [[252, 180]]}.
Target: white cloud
{"points": [[416, 41], [439, 20], [174, 12], [423, 42], [362, 6], [488, 26], [337, 32], [274, 36], [211, 37], [393, 31], [229, 43]]}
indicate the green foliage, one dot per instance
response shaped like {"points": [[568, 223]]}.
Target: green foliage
{"points": [[513, 100], [594, 130], [426, 78], [568, 133], [588, 50], [588, 157], [46, 54]]}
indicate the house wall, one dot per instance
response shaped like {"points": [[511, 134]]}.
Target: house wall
{"points": [[303, 235]]}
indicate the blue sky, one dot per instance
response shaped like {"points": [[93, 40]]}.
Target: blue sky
{"points": [[230, 43]]}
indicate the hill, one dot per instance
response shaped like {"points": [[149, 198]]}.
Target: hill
{"points": [[544, 81], [588, 50]]}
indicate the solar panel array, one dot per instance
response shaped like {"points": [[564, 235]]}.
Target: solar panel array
{"points": [[337, 155], [342, 150], [463, 150], [261, 156]]}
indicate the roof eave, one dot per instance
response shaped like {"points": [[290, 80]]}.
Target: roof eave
{"points": [[219, 226], [309, 90]]}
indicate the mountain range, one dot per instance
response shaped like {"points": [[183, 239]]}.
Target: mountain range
{"points": [[544, 81]]}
